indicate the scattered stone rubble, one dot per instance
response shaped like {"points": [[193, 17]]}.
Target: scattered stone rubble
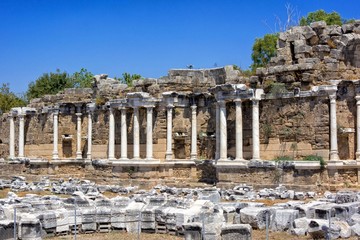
{"points": [[211, 212]]}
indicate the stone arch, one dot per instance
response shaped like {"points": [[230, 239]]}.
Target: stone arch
{"points": [[352, 52]]}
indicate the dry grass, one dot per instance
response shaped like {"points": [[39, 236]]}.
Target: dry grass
{"points": [[118, 235]]}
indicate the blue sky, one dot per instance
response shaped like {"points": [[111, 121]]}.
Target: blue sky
{"points": [[137, 36]]}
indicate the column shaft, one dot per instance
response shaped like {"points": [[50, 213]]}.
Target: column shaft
{"points": [[255, 130], [12, 138], [78, 136], [55, 154], [223, 131], [239, 131], [149, 133], [357, 128], [111, 146], [136, 134], [169, 153], [334, 154], [123, 134], [193, 152], [21, 135], [89, 138], [217, 132]]}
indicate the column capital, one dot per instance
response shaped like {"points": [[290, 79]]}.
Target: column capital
{"points": [[221, 103], [78, 114], [193, 107], [149, 106], [332, 97], [170, 106], [238, 100], [357, 97]]}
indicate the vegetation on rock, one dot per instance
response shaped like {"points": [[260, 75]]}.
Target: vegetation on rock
{"points": [[8, 99]]}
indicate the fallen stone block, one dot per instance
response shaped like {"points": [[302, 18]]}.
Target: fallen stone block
{"points": [[236, 231]]}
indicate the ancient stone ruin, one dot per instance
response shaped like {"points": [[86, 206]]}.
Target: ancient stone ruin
{"points": [[206, 125]]}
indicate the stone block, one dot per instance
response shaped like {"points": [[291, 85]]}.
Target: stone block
{"points": [[236, 231]]}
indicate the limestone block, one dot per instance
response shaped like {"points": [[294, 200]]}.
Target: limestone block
{"points": [[236, 231], [255, 216], [282, 219], [356, 229]]}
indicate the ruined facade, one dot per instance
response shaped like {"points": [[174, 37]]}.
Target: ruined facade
{"points": [[307, 102]]}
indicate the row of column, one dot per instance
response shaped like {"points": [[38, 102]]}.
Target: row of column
{"points": [[136, 134], [221, 132]]}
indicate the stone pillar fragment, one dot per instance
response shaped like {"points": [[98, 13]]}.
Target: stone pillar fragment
{"points": [[217, 132], [193, 152], [169, 153], [149, 133], [255, 129], [12, 137], [21, 134], [78, 133], [55, 154], [223, 130], [111, 154], [123, 134], [89, 138], [239, 131], [136, 133], [334, 154], [357, 128]]}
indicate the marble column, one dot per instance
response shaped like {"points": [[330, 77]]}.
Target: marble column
{"points": [[357, 128], [136, 133], [78, 134], [255, 129], [12, 138], [334, 154], [111, 154], [169, 153], [149, 132], [239, 131], [89, 136], [217, 132], [21, 134], [55, 154], [193, 152], [223, 130], [123, 134]]}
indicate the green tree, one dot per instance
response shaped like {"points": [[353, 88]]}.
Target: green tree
{"points": [[332, 18], [82, 79], [49, 83], [262, 50], [8, 99], [128, 78]]}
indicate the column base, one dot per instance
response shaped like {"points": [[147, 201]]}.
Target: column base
{"points": [[168, 156], [357, 154], [193, 156], [112, 159], [55, 157], [149, 158], [334, 156], [124, 158]]}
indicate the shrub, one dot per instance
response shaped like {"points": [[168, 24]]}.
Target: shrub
{"points": [[283, 158], [315, 158]]}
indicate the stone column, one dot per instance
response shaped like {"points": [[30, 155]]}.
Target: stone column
{"points": [[357, 128], [21, 134], [12, 138], [239, 131], [78, 133], [334, 154], [55, 154], [169, 153], [193, 152], [223, 130], [123, 134], [136, 129], [89, 138], [111, 154], [149, 132], [255, 129], [217, 132]]}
